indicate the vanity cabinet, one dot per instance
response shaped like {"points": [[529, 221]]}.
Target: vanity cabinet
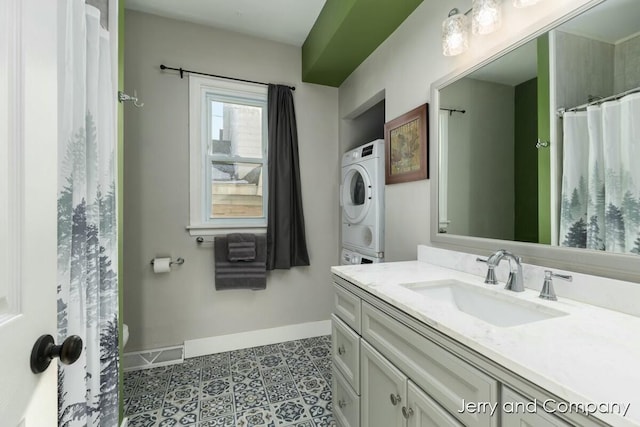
{"points": [[345, 354], [448, 379], [382, 368], [390, 399], [391, 371]]}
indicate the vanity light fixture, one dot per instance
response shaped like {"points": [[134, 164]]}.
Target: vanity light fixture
{"points": [[455, 33], [524, 3], [486, 16]]}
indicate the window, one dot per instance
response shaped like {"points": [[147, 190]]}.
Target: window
{"points": [[228, 151]]}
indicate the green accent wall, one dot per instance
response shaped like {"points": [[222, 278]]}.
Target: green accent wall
{"points": [[544, 133], [346, 33], [120, 195], [525, 162]]}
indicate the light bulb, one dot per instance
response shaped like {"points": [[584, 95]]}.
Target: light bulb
{"points": [[455, 34], [486, 16], [524, 3]]}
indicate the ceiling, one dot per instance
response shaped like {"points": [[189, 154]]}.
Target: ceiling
{"points": [[612, 21], [284, 21], [335, 35], [517, 66]]}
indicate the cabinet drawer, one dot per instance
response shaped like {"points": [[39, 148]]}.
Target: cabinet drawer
{"points": [[346, 403], [345, 351], [514, 415], [442, 375], [347, 307]]}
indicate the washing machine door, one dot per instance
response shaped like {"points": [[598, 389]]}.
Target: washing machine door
{"points": [[356, 193]]}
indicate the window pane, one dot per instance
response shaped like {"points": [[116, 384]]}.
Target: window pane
{"points": [[236, 129], [236, 190]]}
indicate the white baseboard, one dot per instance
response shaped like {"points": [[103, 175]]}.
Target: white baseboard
{"points": [[211, 345]]}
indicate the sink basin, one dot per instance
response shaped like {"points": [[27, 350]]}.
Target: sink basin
{"points": [[485, 304]]}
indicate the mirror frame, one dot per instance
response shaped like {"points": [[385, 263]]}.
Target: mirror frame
{"points": [[617, 266]]}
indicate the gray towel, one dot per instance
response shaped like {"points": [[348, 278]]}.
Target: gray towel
{"points": [[240, 275], [241, 247]]}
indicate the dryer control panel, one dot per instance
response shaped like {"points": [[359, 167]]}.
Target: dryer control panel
{"points": [[374, 149]]}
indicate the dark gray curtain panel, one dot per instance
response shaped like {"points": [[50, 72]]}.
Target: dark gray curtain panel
{"points": [[286, 241]]}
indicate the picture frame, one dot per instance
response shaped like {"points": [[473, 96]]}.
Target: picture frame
{"points": [[407, 147]]}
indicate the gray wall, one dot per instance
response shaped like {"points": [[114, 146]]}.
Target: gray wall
{"points": [[627, 64], [165, 310], [481, 153], [583, 67], [586, 66]]}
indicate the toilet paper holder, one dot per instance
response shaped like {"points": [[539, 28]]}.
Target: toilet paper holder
{"points": [[178, 261]]}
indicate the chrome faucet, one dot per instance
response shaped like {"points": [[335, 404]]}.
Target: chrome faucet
{"points": [[515, 282]]}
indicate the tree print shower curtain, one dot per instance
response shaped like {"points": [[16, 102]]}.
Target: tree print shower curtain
{"points": [[87, 232], [601, 177]]}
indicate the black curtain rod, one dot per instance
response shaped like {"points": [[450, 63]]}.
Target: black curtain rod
{"points": [[182, 71], [453, 110]]}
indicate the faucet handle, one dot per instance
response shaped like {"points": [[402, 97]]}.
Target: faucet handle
{"points": [[490, 279], [547, 291]]}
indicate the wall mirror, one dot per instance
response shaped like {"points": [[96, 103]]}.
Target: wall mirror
{"points": [[542, 145]]}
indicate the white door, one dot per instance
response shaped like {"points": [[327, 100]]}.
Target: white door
{"points": [[28, 213]]}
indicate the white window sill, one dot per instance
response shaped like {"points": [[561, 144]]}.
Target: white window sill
{"points": [[211, 230]]}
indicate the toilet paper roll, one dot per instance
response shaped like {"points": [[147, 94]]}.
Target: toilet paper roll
{"points": [[161, 265]]}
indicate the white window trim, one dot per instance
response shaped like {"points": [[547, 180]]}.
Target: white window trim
{"points": [[198, 88]]}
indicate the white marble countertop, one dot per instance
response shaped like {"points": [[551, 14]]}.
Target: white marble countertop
{"points": [[591, 355]]}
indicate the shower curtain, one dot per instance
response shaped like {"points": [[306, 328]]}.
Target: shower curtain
{"points": [[87, 231], [600, 206], [443, 161]]}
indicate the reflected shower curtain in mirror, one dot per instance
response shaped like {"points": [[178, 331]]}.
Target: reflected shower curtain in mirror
{"points": [[600, 206], [443, 161], [87, 231]]}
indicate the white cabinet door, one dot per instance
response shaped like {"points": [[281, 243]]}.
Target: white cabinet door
{"points": [[383, 390], [525, 416], [28, 207], [422, 411]]}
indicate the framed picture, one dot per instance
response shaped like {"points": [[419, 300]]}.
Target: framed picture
{"points": [[406, 147]]}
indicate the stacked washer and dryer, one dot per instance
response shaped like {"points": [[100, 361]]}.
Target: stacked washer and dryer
{"points": [[362, 202]]}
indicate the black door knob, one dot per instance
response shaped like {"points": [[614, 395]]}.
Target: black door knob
{"points": [[44, 351]]}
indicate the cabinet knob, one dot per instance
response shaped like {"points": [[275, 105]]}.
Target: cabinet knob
{"points": [[407, 412], [395, 399], [341, 350], [342, 403]]}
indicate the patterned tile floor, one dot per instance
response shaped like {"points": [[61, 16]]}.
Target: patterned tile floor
{"points": [[286, 384]]}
